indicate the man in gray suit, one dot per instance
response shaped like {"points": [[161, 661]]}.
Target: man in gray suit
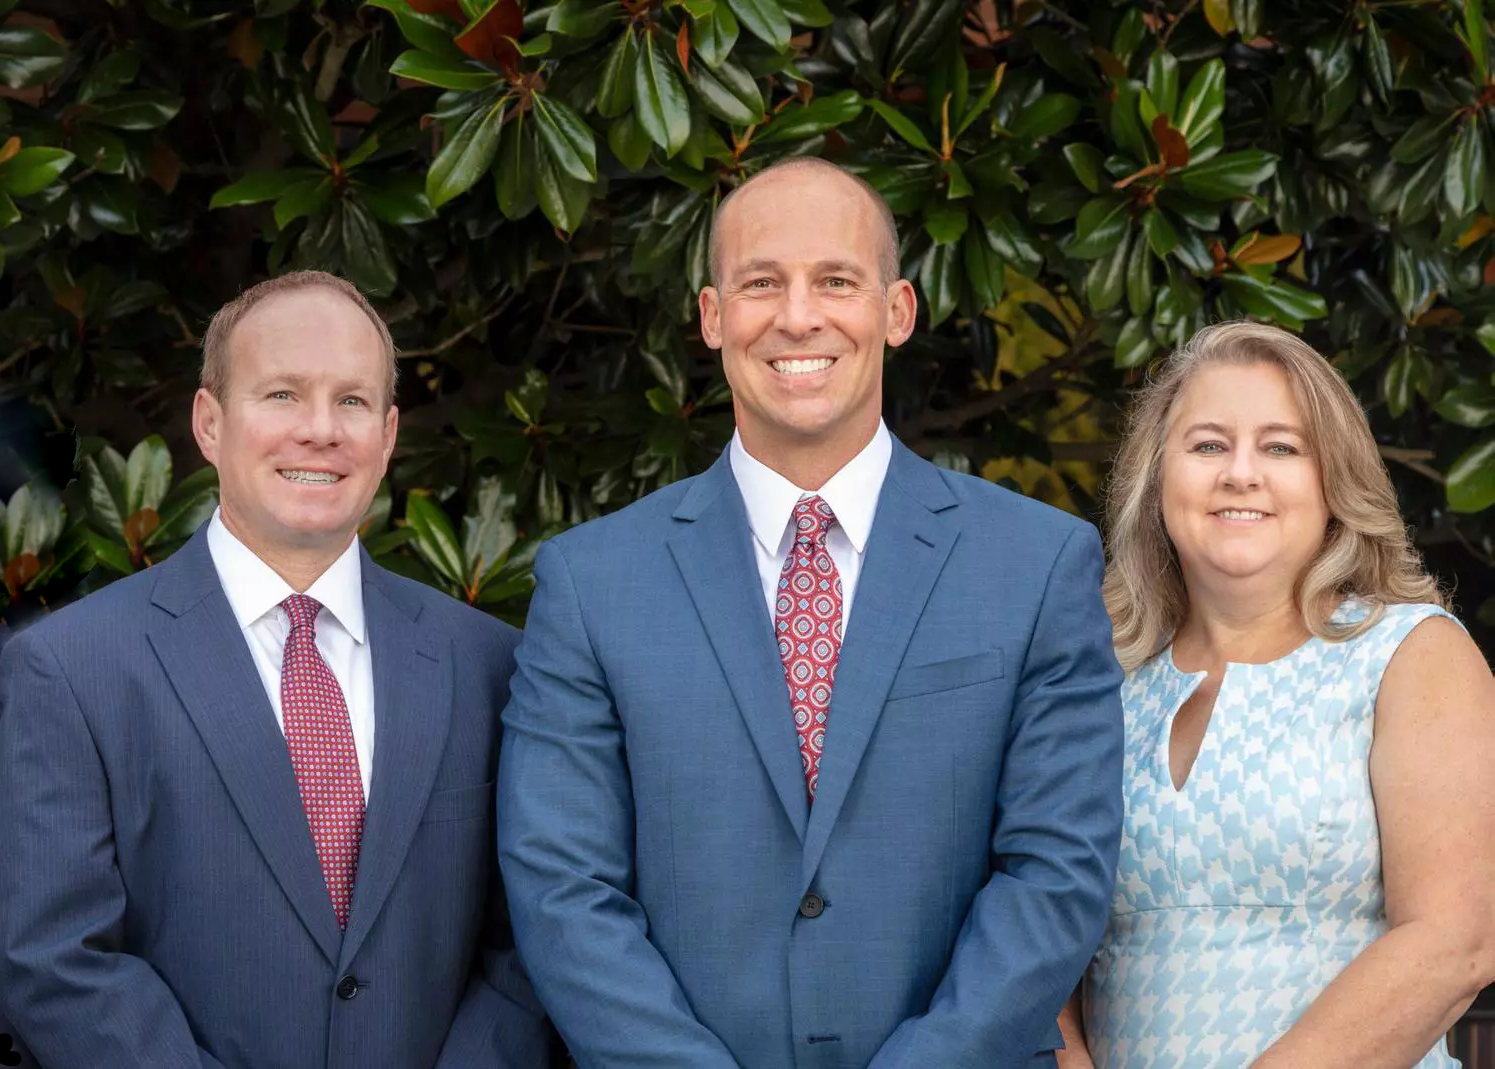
{"points": [[246, 796]]}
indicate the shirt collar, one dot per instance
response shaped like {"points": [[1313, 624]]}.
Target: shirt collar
{"points": [[254, 588], [851, 493]]}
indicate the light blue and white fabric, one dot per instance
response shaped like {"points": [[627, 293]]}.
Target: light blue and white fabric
{"points": [[1242, 895]]}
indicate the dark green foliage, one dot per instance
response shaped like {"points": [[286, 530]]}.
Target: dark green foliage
{"points": [[528, 193]]}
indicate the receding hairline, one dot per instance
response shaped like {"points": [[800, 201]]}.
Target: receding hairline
{"points": [[226, 321], [888, 264]]}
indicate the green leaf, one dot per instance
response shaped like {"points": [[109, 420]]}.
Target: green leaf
{"points": [[583, 19], [1234, 174], [714, 34], [902, 125], [985, 271], [535, 46], [945, 222], [186, 507], [32, 170], [1162, 81], [1422, 138], [360, 154], [366, 259], [467, 154], [812, 13], [1278, 302], [1140, 287], [816, 117], [1203, 102], [1471, 479], [34, 520], [432, 34], [1161, 236], [566, 136], [109, 552], [1087, 163], [1046, 116], [147, 474], [435, 540], [146, 109], [442, 71], [959, 186], [939, 277], [1134, 345], [303, 199], [109, 75], [1100, 226], [1377, 56], [112, 203], [260, 186], [103, 473], [1486, 335], [765, 20], [9, 214], [1105, 283], [1125, 121], [615, 88], [1061, 56], [517, 162], [1475, 30], [563, 199], [729, 93], [1012, 243], [980, 105], [132, 297], [1469, 405], [398, 199], [629, 141], [1464, 178], [28, 56], [488, 529], [922, 28], [659, 97]]}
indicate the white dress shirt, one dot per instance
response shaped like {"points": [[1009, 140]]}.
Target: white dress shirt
{"points": [[851, 493], [255, 592]]}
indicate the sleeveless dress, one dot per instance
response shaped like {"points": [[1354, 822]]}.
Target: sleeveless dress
{"points": [[1241, 896]]}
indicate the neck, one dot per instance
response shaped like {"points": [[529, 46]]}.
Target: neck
{"points": [[808, 465], [299, 566], [1248, 626]]}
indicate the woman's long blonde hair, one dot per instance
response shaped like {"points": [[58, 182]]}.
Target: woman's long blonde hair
{"points": [[1366, 553]]}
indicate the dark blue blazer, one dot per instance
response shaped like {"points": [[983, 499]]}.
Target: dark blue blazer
{"points": [[161, 904], [679, 902]]}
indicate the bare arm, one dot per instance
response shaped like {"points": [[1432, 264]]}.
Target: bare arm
{"points": [[1429, 769], [1076, 1053]]}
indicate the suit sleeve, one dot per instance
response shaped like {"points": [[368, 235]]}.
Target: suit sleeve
{"points": [[565, 836], [1057, 830], [71, 992], [499, 1024]]}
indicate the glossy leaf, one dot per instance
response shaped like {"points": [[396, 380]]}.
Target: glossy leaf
{"points": [[939, 278], [1464, 178], [806, 120], [1469, 405], [28, 56], [566, 136], [902, 125], [945, 223], [435, 540], [728, 92], [147, 109], [32, 170], [1422, 137], [1203, 102], [431, 34], [765, 20], [1105, 283], [397, 199], [1162, 82], [1100, 227], [714, 34], [563, 198], [1471, 478], [261, 186], [467, 154], [1086, 161], [1234, 174], [582, 19], [514, 183], [443, 72], [615, 89], [659, 97], [1046, 116]]}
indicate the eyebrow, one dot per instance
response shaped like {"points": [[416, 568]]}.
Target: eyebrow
{"points": [[841, 267], [301, 381], [1266, 428]]}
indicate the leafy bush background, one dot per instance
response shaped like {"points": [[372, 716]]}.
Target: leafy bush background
{"points": [[527, 192]]}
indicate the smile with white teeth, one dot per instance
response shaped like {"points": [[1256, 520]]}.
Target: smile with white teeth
{"points": [[801, 367], [1241, 514], [315, 478]]}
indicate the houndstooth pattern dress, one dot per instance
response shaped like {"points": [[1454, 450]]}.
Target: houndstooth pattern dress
{"points": [[1241, 896]]}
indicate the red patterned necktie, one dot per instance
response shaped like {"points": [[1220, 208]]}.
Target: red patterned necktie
{"points": [[320, 738], [807, 620]]}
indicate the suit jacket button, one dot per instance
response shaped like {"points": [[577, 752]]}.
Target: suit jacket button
{"points": [[811, 906], [347, 988]]}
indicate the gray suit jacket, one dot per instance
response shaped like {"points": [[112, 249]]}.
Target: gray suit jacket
{"points": [[161, 903]]}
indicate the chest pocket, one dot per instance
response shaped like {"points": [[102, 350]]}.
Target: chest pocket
{"points": [[916, 680]]}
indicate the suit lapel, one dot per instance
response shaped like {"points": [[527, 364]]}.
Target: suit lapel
{"points": [[905, 553], [412, 712], [714, 552], [204, 655]]}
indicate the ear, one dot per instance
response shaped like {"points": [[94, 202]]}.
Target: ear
{"points": [[903, 310], [207, 424], [391, 432], [710, 303]]}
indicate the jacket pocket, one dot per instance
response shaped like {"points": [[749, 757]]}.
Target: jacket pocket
{"points": [[914, 680], [459, 803]]}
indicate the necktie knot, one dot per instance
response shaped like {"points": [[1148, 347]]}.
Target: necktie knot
{"points": [[302, 610], [813, 520]]}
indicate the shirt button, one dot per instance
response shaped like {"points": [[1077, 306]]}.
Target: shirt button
{"points": [[347, 988], [811, 906]]}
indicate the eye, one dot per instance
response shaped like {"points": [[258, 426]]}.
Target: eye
{"points": [[838, 282], [354, 401], [1209, 449], [760, 283], [1282, 449], [280, 395]]}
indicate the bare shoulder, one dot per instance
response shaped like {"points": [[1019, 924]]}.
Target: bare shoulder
{"points": [[1436, 671]]}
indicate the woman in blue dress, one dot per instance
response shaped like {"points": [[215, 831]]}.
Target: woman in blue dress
{"points": [[1307, 873]]}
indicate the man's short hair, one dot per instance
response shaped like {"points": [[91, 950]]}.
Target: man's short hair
{"points": [[215, 341], [887, 259]]}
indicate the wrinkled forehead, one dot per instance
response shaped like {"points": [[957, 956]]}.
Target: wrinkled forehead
{"points": [[799, 219]]}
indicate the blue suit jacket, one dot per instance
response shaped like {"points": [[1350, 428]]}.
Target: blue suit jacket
{"points": [[161, 904], [654, 831]]}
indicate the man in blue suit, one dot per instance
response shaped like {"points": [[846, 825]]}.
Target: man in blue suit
{"points": [[813, 760], [246, 796]]}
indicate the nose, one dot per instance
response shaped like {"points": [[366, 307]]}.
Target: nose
{"points": [[799, 314], [1243, 471], [320, 425]]}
